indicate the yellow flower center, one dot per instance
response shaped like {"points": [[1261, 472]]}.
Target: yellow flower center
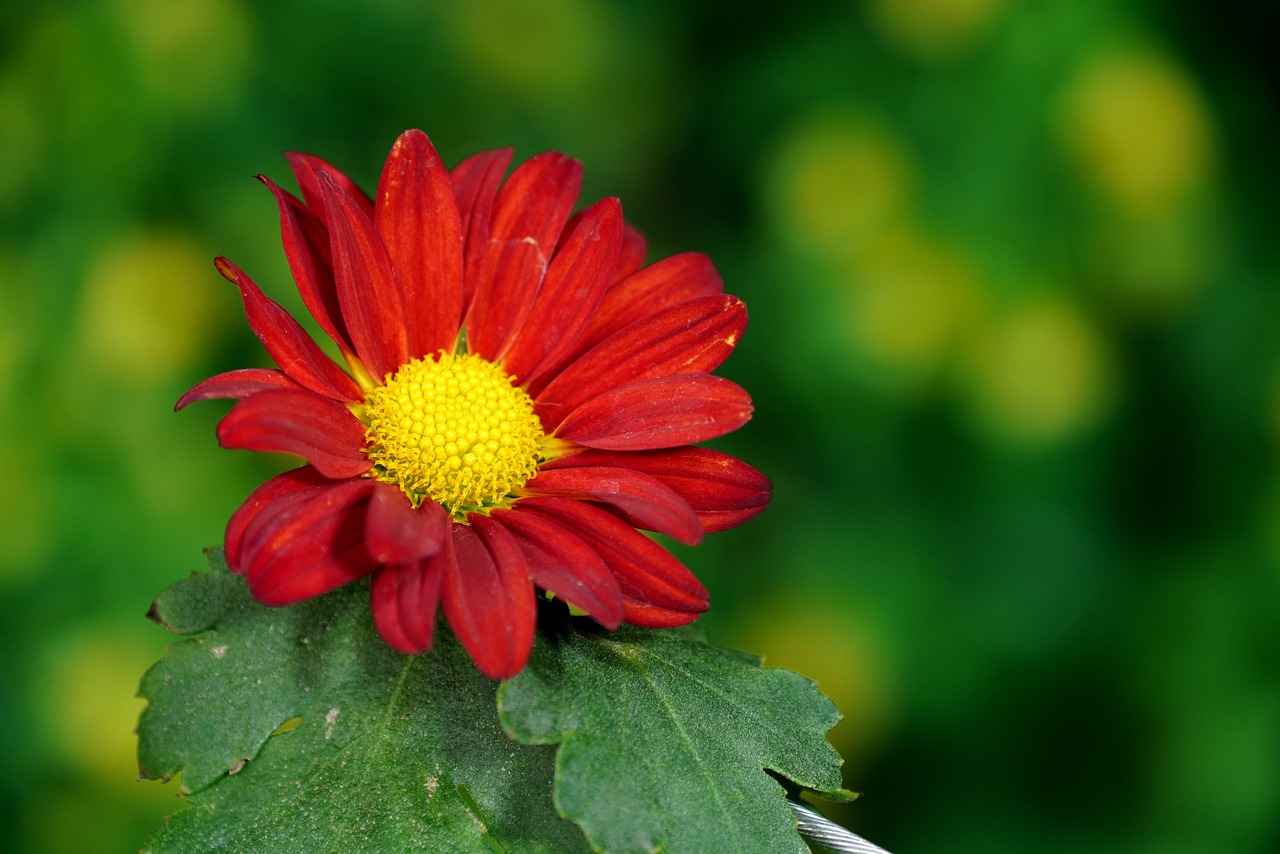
{"points": [[454, 430]]}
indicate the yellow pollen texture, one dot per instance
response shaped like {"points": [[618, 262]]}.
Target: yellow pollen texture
{"points": [[454, 430]]}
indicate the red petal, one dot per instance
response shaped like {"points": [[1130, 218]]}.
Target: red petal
{"points": [[308, 544], [661, 285], [582, 269], [646, 571], [528, 215], [645, 501], [397, 533], [235, 385], [634, 248], [307, 168], [488, 598], [404, 600], [660, 413], [652, 617], [475, 184], [562, 563], [689, 338], [277, 488], [417, 216], [306, 247], [287, 342], [723, 490], [367, 289], [321, 431]]}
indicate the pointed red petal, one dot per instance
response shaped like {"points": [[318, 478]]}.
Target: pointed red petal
{"points": [[488, 598], [417, 215], [404, 600], [277, 488], [235, 385], [646, 571], [371, 301], [397, 533], [308, 544], [307, 168], [689, 338], [528, 216], [475, 185], [661, 413], [306, 247], [287, 342], [562, 563], [661, 285], [321, 431], [645, 501], [723, 490], [582, 269]]}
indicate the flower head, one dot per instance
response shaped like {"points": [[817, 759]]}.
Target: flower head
{"points": [[520, 396]]}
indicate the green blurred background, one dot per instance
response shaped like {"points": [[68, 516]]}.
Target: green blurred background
{"points": [[1014, 350]]}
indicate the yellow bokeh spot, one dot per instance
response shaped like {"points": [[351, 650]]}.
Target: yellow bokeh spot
{"points": [[145, 313], [454, 430], [934, 29], [1139, 129], [1040, 373], [909, 299], [191, 54], [544, 49], [839, 649], [837, 180], [89, 701]]}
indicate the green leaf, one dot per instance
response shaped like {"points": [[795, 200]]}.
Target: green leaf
{"points": [[298, 729], [664, 740]]}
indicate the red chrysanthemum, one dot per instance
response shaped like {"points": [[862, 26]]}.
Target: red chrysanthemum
{"points": [[522, 396]]}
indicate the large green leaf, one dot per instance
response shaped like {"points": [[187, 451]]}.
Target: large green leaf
{"points": [[664, 740], [298, 729]]}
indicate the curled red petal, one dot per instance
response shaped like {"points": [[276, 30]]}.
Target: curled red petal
{"points": [[643, 500], [563, 564], [722, 489], [321, 431], [689, 338], [287, 342], [488, 598], [235, 385], [404, 600], [582, 269], [659, 286], [646, 572], [306, 248], [529, 213], [659, 413], [299, 480], [371, 301], [417, 215], [396, 532], [307, 168], [307, 544], [475, 185]]}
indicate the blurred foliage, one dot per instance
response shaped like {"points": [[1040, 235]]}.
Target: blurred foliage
{"points": [[1014, 304]]}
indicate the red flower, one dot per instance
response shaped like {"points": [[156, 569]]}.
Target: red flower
{"points": [[522, 396]]}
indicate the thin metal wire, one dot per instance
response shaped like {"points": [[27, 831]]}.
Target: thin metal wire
{"points": [[829, 835]]}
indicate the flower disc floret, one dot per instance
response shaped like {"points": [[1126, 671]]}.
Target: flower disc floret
{"points": [[455, 430]]}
